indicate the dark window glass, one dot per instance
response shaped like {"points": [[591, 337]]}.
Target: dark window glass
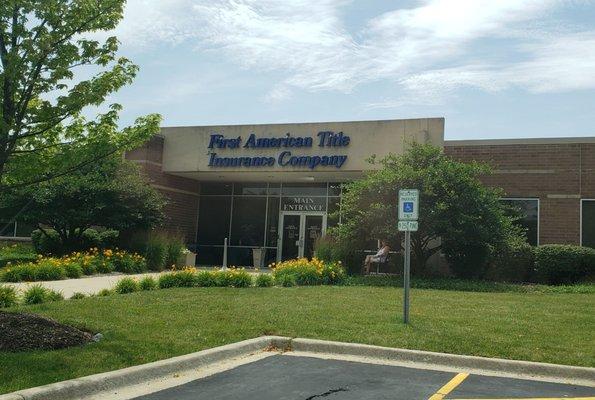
{"points": [[24, 230], [304, 189], [247, 224], [240, 257], [209, 255], [333, 214], [274, 188], [215, 188], [6, 229], [250, 189], [528, 210], [334, 189], [273, 222], [213, 220], [588, 223]]}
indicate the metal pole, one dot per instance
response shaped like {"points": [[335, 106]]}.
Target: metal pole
{"points": [[407, 268], [225, 254]]}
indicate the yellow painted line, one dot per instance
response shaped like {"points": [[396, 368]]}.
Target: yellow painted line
{"points": [[446, 389]]}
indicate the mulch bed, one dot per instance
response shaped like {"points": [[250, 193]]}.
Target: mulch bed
{"points": [[21, 331]]}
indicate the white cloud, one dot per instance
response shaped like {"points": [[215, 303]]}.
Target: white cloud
{"points": [[433, 48]]}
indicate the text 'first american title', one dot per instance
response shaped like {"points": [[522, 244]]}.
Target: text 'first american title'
{"points": [[325, 139]]}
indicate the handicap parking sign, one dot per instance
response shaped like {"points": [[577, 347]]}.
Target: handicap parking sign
{"points": [[408, 206]]}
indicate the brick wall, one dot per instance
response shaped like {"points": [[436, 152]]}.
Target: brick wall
{"points": [[559, 174], [181, 193]]}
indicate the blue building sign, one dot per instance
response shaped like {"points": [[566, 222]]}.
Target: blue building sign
{"points": [[286, 158]]}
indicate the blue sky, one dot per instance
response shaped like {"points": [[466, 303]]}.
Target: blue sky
{"points": [[493, 69]]}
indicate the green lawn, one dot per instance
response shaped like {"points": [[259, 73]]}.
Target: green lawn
{"points": [[144, 327]]}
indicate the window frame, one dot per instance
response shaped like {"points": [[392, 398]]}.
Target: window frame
{"points": [[581, 221], [538, 211]]}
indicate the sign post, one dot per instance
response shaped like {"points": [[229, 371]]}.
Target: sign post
{"points": [[408, 215]]}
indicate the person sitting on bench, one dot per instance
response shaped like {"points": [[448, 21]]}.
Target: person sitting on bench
{"points": [[380, 256]]}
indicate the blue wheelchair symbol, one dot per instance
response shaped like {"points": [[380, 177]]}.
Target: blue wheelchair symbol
{"points": [[408, 206]]}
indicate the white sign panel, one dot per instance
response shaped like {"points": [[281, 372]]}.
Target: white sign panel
{"points": [[408, 204], [408, 226]]}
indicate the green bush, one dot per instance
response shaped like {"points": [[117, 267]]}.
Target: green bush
{"points": [[175, 251], [156, 252], [19, 273], [285, 280], [46, 243], [129, 263], [512, 264], [73, 270], [48, 271], [104, 266], [205, 279], [264, 280], [331, 250], [126, 285], [561, 264], [105, 292], [148, 283], [38, 294], [168, 280], [239, 278], [185, 278], [77, 296], [8, 296]]}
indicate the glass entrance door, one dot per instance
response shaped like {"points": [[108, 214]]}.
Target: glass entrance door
{"points": [[299, 234], [290, 247], [313, 230]]}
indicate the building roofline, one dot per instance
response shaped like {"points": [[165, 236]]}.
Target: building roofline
{"points": [[504, 142], [305, 122]]}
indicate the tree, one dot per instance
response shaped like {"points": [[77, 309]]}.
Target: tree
{"points": [[43, 45], [110, 194], [459, 216]]}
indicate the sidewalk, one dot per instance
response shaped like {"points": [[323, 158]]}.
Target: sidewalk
{"points": [[89, 284]]}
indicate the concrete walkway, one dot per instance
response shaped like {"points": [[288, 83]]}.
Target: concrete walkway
{"points": [[89, 284]]}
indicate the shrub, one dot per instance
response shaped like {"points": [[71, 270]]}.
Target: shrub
{"points": [[38, 294], [49, 270], [310, 272], [73, 270], [559, 264], [168, 280], [126, 285], [8, 296], [129, 263], [186, 277], [331, 250], [175, 250], [19, 273], [264, 280], [205, 279], [77, 296], [156, 252], [147, 283], [239, 278], [512, 264], [105, 292], [285, 280], [46, 243]]}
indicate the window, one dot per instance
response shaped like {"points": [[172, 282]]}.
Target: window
{"points": [[248, 221], [528, 211], [213, 219], [15, 229], [588, 223]]}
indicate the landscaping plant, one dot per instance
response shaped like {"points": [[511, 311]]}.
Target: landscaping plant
{"points": [[309, 272], [8, 296], [148, 283], [126, 285], [37, 294]]}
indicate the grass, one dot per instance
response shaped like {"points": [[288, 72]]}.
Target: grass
{"points": [[148, 326]]}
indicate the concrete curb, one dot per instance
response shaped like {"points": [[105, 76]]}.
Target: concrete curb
{"points": [[108, 381], [94, 384], [527, 368]]}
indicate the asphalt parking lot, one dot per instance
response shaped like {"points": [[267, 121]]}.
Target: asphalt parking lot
{"points": [[285, 377]]}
